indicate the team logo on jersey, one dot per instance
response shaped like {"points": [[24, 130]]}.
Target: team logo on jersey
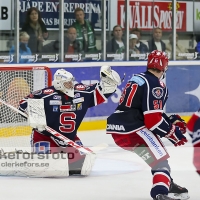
{"points": [[48, 91], [77, 95], [55, 102], [162, 84], [65, 108], [79, 100], [80, 87], [157, 92], [42, 147], [55, 108], [57, 97], [37, 92], [79, 106]]}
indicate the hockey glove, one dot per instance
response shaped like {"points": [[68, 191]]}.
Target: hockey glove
{"points": [[175, 136], [177, 121], [109, 79]]}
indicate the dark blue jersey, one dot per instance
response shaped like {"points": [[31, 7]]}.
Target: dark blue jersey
{"points": [[141, 105], [63, 113]]}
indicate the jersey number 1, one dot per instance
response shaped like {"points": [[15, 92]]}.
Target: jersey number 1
{"points": [[130, 96]]}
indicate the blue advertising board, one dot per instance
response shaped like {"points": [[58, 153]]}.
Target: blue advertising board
{"points": [[90, 75], [183, 83], [50, 12]]}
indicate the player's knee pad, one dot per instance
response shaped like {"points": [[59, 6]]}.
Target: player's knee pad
{"points": [[34, 165]]}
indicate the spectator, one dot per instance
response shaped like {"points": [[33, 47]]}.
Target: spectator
{"points": [[71, 44], [179, 49], [139, 45], [156, 43], [133, 50], [116, 44], [36, 29], [24, 50], [85, 32], [197, 48]]}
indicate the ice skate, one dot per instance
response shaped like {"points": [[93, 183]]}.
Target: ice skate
{"points": [[178, 192], [164, 197]]}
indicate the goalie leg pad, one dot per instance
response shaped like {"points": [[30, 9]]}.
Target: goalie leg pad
{"points": [[34, 165], [88, 164]]}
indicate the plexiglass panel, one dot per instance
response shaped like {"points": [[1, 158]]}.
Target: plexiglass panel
{"points": [[38, 35]]}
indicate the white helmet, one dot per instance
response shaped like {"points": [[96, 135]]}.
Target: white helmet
{"points": [[61, 78]]}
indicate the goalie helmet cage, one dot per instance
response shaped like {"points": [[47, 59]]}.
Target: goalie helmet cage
{"points": [[16, 83]]}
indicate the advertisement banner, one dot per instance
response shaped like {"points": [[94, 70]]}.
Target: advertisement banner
{"points": [[50, 11], [90, 75], [147, 14], [183, 83], [5, 15], [196, 16]]}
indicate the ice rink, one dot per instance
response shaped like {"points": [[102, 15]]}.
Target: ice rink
{"points": [[117, 175]]}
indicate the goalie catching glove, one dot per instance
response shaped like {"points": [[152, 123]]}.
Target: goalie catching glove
{"points": [[109, 79], [177, 121], [175, 136]]}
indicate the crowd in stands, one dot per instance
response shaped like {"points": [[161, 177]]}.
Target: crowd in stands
{"points": [[80, 38]]}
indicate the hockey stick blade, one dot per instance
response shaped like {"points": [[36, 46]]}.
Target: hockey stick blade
{"points": [[99, 147], [53, 132]]}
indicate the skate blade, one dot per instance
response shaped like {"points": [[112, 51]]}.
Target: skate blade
{"points": [[182, 196]]}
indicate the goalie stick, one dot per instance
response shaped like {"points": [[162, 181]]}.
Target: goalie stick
{"points": [[60, 136]]}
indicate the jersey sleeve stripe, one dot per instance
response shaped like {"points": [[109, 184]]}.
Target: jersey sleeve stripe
{"points": [[98, 97], [156, 125], [152, 111]]}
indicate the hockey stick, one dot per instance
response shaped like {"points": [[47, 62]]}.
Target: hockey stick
{"points": [[57, 134]]}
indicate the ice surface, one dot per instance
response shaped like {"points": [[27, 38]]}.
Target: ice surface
{"points": [[116, 175]]}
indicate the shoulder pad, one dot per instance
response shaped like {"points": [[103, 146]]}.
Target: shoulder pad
{"points": [[138, 80]]}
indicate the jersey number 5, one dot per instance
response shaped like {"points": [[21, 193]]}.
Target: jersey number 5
{"points": [[130, 96]]}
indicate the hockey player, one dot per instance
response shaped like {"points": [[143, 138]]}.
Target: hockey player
{"points": [[139, 122], [65, 106], [193, 128]]}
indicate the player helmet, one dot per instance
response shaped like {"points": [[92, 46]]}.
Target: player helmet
{"points": [[157, 60], [64, 81]]}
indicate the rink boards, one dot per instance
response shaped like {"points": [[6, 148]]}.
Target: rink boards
{"points": [[182, 80]]}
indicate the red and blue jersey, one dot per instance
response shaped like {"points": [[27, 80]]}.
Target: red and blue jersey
{"points": [[193, 128], [63, 113], [141, 105]]}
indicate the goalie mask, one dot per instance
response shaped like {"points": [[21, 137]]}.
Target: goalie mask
{"points": [[64, 81]]}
